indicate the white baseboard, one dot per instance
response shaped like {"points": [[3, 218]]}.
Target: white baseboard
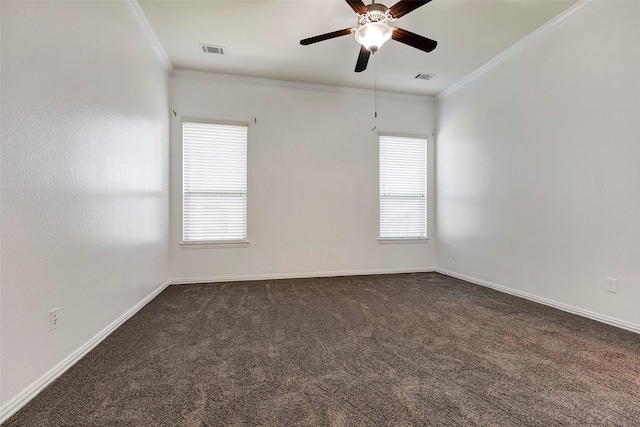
{"points": [[12, 406], [301, 275], [560, 306]]}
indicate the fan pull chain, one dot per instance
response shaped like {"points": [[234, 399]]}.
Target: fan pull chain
{"points": [[376, 87]]}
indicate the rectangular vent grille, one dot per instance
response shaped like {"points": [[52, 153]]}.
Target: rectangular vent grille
{"points": [[218, 50], [424, 76]]}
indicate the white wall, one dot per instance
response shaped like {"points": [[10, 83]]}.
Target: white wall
{"points": [[538, 180], [538, 167], [312, 177], [84, 179]]}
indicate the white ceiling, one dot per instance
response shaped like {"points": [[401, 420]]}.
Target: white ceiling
{"points": [[262, 39]]}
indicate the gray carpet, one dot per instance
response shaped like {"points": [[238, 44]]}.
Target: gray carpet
{"points": [[406, 349]]}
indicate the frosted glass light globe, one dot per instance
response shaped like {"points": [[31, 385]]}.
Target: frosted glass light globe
{"points": [[373, 35]]}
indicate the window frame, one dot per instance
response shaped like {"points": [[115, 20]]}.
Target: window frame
{"points": [[205, 244], [411, 239]]}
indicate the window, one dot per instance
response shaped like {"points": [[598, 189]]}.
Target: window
{"points": [[214, 179], [403, 188]]}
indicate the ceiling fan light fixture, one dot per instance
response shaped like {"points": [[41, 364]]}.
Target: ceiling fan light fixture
{"points": [[373, 35], [373, 29]]}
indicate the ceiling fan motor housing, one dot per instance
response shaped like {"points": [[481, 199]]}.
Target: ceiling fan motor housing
{"points": [[376, 12]]}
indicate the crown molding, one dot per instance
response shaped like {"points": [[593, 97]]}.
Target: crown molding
{"points": [[234, 78], [151, 36], [516, 48]]}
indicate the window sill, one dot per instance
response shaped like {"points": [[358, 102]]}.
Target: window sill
{"points": [[215, 245], [407, 240]]}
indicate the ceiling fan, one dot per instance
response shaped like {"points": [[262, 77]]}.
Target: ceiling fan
{"points": [[373, 29]]}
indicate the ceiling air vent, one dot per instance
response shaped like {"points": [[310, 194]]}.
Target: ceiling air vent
{"points": [[424, 76], [218, 50]]}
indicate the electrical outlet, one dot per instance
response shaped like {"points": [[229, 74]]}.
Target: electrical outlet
{"points": [[332, 253], [53, 319], [612, 285], [453, 254]]}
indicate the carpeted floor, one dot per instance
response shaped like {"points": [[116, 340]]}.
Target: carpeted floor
{"points": [[406, 349]]}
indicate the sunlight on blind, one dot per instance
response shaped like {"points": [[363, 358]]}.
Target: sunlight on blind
{"points": [[403, 188], [214, 166]]}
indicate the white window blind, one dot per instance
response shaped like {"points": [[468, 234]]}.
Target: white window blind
{"points": [[403, 187], [214, 177]]}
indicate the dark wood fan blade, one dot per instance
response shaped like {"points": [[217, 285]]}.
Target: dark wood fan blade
{"points": [[405, 6], [413, 40], [363, 59], [357, 6], [327, 36]]}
